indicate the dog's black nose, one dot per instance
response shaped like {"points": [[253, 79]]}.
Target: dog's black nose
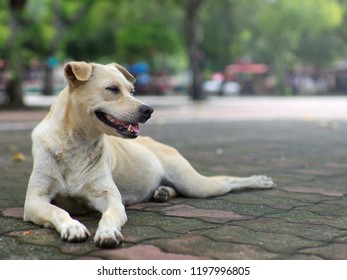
{"points": [[146, 112]]}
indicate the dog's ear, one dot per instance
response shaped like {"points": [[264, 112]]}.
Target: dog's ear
{"points": [[125, 72], [77, 71]]}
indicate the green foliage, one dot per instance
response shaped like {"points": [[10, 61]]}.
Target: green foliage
{"points": [[149, 31], [4, 28], [277, 32], [4, 33], [93, 37], [287, 21], [116, 31], [136, 41], [218, 30], [277, 28], [283, 33], [38, 10]]}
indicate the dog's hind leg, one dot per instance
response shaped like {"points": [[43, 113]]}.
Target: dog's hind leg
{"points": [[188, 182]]}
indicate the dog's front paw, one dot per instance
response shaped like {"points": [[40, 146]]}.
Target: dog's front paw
{"points": [[106, 237], [74, 231], [263, 182]]}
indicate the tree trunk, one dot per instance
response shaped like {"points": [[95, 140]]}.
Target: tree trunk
{"points": [[14, 92], [48, 86], [48, 82], [14, 87], [194, 53]]}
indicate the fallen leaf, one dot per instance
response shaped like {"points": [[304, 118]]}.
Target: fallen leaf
{"points": [[18, 157]]}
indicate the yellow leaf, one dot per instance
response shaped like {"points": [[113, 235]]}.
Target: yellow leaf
{"points": [[18, 157]]}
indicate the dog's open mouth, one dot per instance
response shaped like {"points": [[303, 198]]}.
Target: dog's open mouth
{"points": [[128, 130]]}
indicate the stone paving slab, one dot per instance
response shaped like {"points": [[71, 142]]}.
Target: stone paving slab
{"points": [[305, 217]]}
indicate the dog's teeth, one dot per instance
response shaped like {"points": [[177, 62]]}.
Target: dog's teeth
{"points": [[110, 118], [130, 128]]}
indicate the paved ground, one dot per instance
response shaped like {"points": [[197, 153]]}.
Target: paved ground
{"points": [[300, 142]]}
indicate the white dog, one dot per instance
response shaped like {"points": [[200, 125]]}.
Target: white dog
{"points": [[82, 153]]}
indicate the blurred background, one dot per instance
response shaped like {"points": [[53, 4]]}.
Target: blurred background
{"points": [[195, 48]]}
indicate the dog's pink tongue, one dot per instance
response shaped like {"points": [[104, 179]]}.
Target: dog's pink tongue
{"points": [[136, 128]]}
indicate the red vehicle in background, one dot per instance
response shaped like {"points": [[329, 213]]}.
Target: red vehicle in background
{"points": [[243, 78], [252, 78]]}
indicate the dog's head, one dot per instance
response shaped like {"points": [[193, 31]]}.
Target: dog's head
{"points": [[103, 97]]}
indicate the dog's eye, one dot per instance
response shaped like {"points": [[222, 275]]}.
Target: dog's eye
{"points": [[114, 89], [132, 92]]}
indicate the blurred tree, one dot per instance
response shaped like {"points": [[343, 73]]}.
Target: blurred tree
{"points": [[193, 37], [64, 14], [12, 52], [278, 31], [137, 41], [108, 32], [201, 33], [93, 37], [218, 25], [321, 51]]}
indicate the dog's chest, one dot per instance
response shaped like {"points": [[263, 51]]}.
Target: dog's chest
{"points": [[77, 163]]}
